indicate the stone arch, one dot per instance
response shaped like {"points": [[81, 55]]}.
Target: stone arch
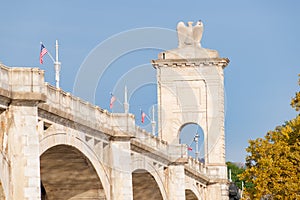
{"points": [[190, 195], [145, 186], [142, 166], [88, 163], [194, 189], [187, 133]]}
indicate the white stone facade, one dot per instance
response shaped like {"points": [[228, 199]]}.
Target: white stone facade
{"points": [[190, 87], [56, 146]]}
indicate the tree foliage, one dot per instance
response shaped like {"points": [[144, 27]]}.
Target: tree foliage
{"points": [[296, 100], [273, 162], [235, 171]]}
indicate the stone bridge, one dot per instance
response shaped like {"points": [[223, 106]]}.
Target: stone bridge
{"points": [[56, 146]]}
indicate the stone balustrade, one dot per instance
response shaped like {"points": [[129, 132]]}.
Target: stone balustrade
{"points": [[28, 81], [22, 80], [196, 165], [115, 124], [21, 85], [170, 151], [73, 108]]}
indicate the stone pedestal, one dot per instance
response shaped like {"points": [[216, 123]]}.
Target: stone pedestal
{"points": [[218, 191], [23, 151], [121, 177], [176, 182]]}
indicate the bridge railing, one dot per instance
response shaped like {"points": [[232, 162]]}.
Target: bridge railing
{"points": [[196, 165], [21, 80], [170, 151], [117, 124], [77, 109]]}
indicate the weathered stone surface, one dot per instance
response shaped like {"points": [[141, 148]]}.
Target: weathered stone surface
{"points": [[57, 146]]}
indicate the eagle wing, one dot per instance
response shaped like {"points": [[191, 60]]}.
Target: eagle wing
{"points": [[181, 33], [197, 33]]}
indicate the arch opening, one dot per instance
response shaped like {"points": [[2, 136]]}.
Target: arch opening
{"points": [[190, 195], [67, 174], [192, 134], [144, 186]]}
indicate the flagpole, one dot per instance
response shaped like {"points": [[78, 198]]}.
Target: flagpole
{"points": [[153, 123], [126, 105], [197, 147], [49, 54], [57, 65], [242, 189]]}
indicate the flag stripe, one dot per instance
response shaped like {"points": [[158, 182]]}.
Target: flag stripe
{"points": [[112, 100], [143, 116], [42, 53]]}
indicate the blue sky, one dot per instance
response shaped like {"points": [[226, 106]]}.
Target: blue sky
{"points": [[261, 39]]}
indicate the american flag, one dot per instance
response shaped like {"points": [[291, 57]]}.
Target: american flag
{"points": [[143, 116], [42, 53], [112, 100]]}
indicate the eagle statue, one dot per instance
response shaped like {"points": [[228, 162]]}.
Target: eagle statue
{"points": [[189, 35]]}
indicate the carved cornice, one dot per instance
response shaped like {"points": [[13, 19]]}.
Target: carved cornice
{"points": [[27, 98], [192, 62]]}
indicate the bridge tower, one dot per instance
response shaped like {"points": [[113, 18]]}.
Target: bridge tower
{"points": [[190, 88]]}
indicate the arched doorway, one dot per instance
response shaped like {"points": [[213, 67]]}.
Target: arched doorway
{"points": [[189, 134], [189, 195], [144, 186], [67, 174]]}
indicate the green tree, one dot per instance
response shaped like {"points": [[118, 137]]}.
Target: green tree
{"points": [[235, 171], [273, 162]]}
